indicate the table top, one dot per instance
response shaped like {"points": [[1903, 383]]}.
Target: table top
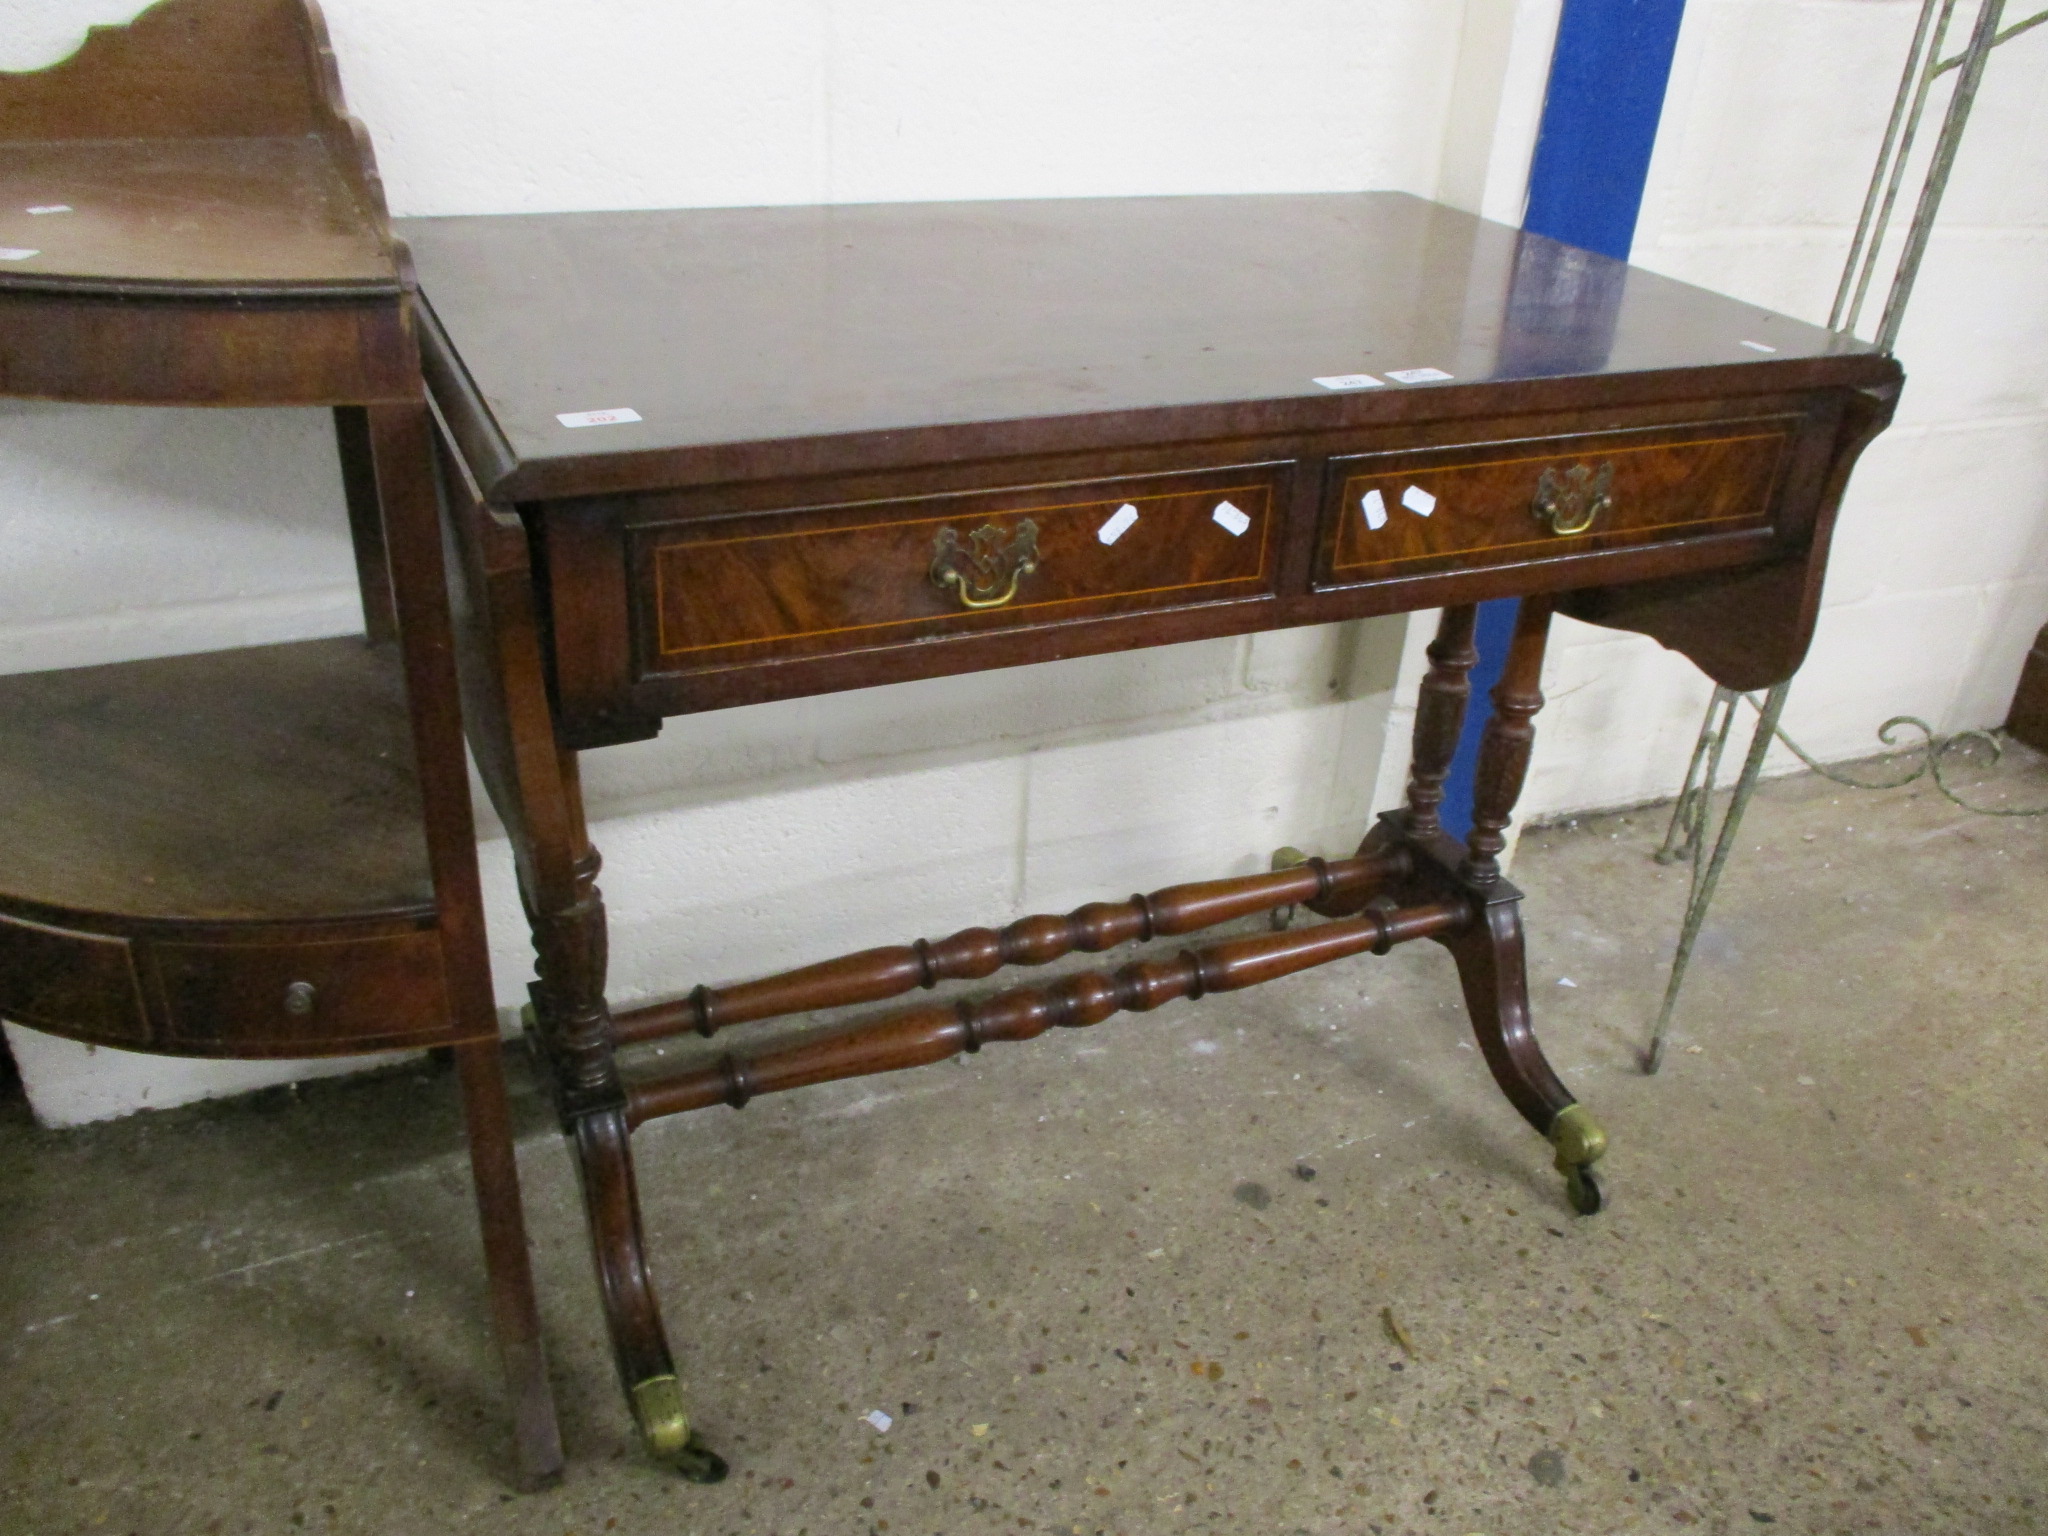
{"points": [[732, 326]]}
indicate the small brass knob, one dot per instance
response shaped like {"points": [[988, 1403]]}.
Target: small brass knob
{"points": [[298, 999]]}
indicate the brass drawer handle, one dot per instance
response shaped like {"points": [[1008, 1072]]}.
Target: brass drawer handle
{"points": [[1569, 503], [298, 999], [985, 574]]}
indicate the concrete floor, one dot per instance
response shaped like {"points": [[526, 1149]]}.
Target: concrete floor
{"points": [[1137, 1279]]}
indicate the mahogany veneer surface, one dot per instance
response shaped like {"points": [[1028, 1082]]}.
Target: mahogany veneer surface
{"points": [[819, 391], [726, 327], [195, 212], [265, 784]]}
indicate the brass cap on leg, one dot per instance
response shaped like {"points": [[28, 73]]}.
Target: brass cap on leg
{"points": [[1579, 1141], [665, 1427]]}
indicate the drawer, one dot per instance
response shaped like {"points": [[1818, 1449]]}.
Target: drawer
{"points": [[302, 999], [817, 581], [83, 986], [1421, 510]]}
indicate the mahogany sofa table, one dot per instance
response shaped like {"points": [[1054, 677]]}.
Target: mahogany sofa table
{"points": [[703, 459]]}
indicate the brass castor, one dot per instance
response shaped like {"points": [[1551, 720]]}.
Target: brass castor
{"points": [[1580, 1143], [1583, 1190], [658, 1406]]}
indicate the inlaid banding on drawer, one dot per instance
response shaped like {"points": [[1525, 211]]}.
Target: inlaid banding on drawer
{"points": [[81, 985], [1410, 511], [819, 580], [302, 998]]}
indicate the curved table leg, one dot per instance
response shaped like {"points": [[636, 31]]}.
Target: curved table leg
{"points": [[573, 1028], [1495, 980], [604, 1159]]}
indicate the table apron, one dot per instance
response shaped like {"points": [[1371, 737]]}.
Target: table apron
{"points": [[665, 603]]}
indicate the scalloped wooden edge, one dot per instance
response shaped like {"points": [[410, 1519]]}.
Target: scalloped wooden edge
{"points": [[73, 90]]}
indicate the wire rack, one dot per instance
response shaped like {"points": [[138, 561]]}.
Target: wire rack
{"points": [[1925, 65]]}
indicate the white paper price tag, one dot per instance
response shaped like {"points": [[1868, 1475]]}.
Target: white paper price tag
{"points": [[1349, 381], [1121, 521], [1418, 501], [617, 416], [1231, 518], [1374, 505], [1416, 375]]}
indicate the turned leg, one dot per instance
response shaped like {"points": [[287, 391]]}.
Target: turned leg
{"points": [[1505, 744], [1489, 954], [1440, 718], [574, 1029]]}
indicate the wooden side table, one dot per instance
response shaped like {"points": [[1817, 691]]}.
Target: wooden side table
{"points": [[267, 851], [705, 459]]}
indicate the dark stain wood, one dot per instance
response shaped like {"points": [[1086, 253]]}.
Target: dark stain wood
{"points": [[821, 391], [1440, 717], [1494, 975], [365, 521], [607, 559], [1749, 628], [203, 143], [227, 242], [813, 583], [515, 1320], [305, 999], [973, 953], [923, 1036], [1663, 484], [602, 1139], [832, 340], [194, 218], [79, 984], [114, 350], [1507, 741], [269, 851], [272, 782]]}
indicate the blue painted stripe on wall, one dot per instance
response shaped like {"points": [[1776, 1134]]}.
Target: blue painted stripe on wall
{"points": [[1608, 73]]}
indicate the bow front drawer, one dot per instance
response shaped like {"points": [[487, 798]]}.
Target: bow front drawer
{"points": [[1420, 510], [302, 998], [816, 581]]}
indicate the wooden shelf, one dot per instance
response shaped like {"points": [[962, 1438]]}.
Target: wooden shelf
{"points": [[270, 784], [188, 217]]}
